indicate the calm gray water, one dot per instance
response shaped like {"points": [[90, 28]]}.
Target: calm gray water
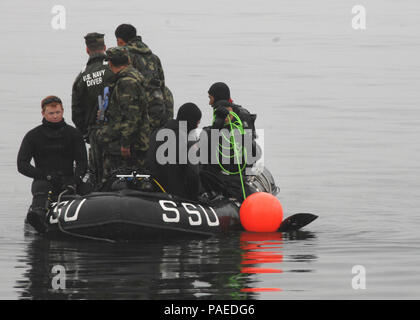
{"points": [[341, 119]]}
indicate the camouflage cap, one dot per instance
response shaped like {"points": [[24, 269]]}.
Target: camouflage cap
{"points": [[94, 38], [117, 55]]}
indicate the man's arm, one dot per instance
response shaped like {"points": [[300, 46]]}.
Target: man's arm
{"points": [[25, 155], [77, 109], [80, 156], [160, 71]]}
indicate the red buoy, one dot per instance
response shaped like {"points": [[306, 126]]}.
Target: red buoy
{"points": [[261, 212]]}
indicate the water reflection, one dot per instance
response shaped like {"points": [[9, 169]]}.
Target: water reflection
{"points": [[215, 268], [300, 235], [184, 269], [261, 249], [263, 253]]}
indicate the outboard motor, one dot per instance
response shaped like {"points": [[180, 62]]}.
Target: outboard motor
{"points": [[263, 182]]}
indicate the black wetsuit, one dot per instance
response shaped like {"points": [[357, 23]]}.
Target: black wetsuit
{"points": [[176, 178], [54, 147], [222, 173]]}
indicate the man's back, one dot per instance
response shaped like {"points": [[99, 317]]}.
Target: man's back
{"points": [[146, 62], [159, 97], [86, 88], [178, 178], [127, 111]]}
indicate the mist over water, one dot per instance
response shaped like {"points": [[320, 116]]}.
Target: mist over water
{"points": [[340, 112]]}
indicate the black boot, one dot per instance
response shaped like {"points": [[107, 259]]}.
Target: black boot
{"points": [[36, 218]]}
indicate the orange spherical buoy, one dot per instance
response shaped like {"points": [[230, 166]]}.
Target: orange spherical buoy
{"points": [[261, 212]]}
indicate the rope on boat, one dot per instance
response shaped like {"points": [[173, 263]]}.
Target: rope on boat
{"points": [[73, 234], [237, 124]]}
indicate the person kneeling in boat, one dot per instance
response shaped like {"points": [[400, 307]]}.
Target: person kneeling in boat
{"points": [[169, 158], [55, 146], [230, 155]]}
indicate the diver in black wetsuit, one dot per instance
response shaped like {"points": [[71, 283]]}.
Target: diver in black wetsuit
{"points": [[180, 176], [223, 176], [55, 147]]}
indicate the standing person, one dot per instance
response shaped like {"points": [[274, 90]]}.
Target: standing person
{"points": [[160, 99], [89, 84], [179, 177], [55, 147], [224, 172], [124, 136]]}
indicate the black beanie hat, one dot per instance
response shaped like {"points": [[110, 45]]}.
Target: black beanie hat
{"points": [[126, 32], [219, 91], [191, 113]]}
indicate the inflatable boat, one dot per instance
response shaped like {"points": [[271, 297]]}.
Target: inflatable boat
{"points": [[132, 215]]}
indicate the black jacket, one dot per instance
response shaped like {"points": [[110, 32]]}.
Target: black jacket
{"points": [[88, 85], [54, 147], [181, 179], [221, 151]]}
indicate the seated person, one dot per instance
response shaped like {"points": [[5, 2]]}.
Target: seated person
{"points": [[55, 147], [168, 158]]}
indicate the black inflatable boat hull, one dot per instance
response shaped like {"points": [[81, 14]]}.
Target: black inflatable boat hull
{"points": [[130, 215], [133, 215]]}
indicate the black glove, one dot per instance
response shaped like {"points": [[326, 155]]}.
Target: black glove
{"points": [[54, 179], [221, 112]]}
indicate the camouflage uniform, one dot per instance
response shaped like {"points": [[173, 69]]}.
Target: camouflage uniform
{"points": [[169, 102], [127, 122], [88, 85], [159, 97]]}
